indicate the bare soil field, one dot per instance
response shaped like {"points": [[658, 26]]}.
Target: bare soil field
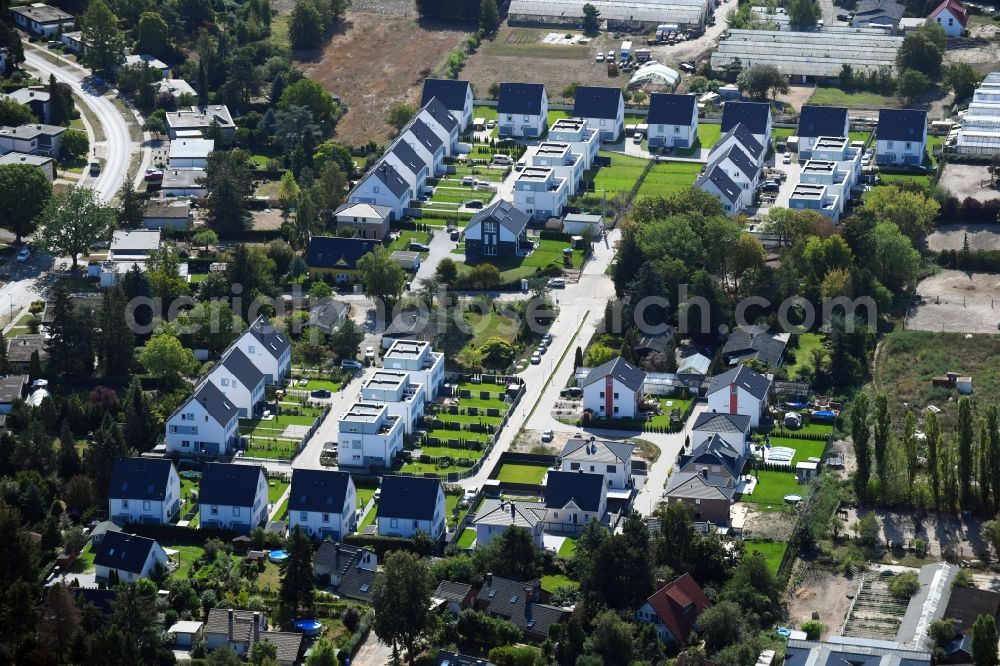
{"points": [[966, 180], [820, 591], [941, 532], [957, 302], [376, 61], [768, 525], [953, 236], [980, 49]]}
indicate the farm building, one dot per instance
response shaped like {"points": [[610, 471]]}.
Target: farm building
{"points": [[980, 130], [808, 56], [617, 13]]}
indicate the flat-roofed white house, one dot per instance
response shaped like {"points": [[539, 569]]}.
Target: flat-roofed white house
{"points": [[613, 390], [131, 557], [233, 497], [323, 503], [612, 460], [150, 61], [402, 397], [739, 390], [42, 19], [240, 380], [206, 424], [539, 192], [672, 121], [33, 139], [603, 108], [268, 348], [560, 157], [456, 96], [425, 365], [901, 137], [43, 163], [368, 437], [411, 504], [572, 499], [167, 214], [200, 120], [144, 490], [190, 153], [522, 109], [582, 139]]}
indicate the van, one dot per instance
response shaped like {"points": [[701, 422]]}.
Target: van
{"points": [[502, 159]]}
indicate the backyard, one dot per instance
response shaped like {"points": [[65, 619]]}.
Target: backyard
{"points": [[837, 97], [667, 178], [547, 254], [772, 487], [522, 473], [773, 551], [808, 343], [620, 176], [278, 436]]}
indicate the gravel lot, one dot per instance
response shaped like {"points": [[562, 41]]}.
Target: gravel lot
{"points": [[966, 180], [958, 302], [952, 237]]}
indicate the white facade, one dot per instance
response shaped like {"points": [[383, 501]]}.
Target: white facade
{"points": [[485, 532], [335, 525], [609, 129], [747, 182], [571, 518], [673, 136], [369, 437], [616, 473], [432, 157], [407, 528], [525, 124], [560, 157], [275, 368], [191, 430], [901, 152], [737, 440], [448, 137], [190, 153], [372, 190], [41, 19], [950, 21], [33, 139], [424, 365], [246, 398], [156, 556], [415, 179], [609, 398], [737, 400], [242, 517], [582, 139], [538, 192], [161, 512], [402, 398]]}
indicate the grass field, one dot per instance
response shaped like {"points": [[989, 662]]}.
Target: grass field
{"points": [[517, 473], [773, 551], [620, 176], [467, 539], [667, 178], [837, 97], [546, 253], [804, 448], [772, 488], [804, 353], [567, 548], [553, 581], [364, 494]]}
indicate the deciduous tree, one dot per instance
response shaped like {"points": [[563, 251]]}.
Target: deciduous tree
{"points": [[106, 42], [383, 278], [860, 435], [72, 221], [401, 599], [167, 359], [24, 191]]}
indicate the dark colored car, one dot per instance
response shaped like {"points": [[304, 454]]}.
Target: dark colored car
{"points": [[321, 393], [474, 204]]}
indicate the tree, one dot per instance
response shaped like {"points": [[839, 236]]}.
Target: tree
{"points": [[803, 13], [497, 353], [75, 145], [983, 466], [69, 457], [883, 425], [747, 256], [962, 79], [297, 575], [933, 455], [140, 427], [72, 221], [965, 452], [383, 278], [993, 431], [263, 653], [949, 479], [483, 277], [611, 639], [720, 625], [984, 641], [131, 207], [60, 619], [991, 532], [759, 80], [511, 554], [401, 599], [99, 28], [205, 238], [288, 193], [591, 19], [305, 29], [489, 16], [116, 340], [447, 272], [230, 184], [60, 103], [400, 114], [70, 342], [314, 97], [154, 35], [323, 653], [167, 359], [919, 52], [910, 447], [346, 340], [860, 433], [911, 84], [895, 260], [14, 114], [24, 191]]}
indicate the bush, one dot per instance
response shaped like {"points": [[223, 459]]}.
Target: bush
{"points": [[904, 585], [813, 630]]}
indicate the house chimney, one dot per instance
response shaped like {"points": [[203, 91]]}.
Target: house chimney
{"points": [[529, 593], [256, 626], [704, 472], [489, 579], [660, 584], [230, 624]]}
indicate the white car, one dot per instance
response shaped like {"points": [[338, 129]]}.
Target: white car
{"points": [[370, 353], [23, 255], [599, 57], [787, 159], [557, 283]]}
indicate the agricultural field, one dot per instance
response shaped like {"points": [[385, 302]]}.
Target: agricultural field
{"points": [[667, 178]]}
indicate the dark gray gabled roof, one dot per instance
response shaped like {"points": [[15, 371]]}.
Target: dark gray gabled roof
{"points": [[599, 450], [671, 109], [581, 488], [521, 98], [236, 362], [517, 602], [901, 125], [620, 369], [388, 176], [140, 479], [712, 451], [215, 402], [451, 93], [319, 490], [409, 497], [695, 485], [265, 332], [869, 9], [227, 484], [441, 114], [596, 102], [408, 156], [721, 422], [739, 158], [722, 182], [755, 342], [126, 552], [424, 135], [452, 591], [752, 114], [750, 144], [742, 376], [503, 213], [817, 121]]}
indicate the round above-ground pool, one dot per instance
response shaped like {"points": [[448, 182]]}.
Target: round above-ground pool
{"points": [[309, 627], [277, 556], [793, 499], [784, 631], [824, 414]]}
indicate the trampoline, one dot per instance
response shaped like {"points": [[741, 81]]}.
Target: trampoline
{"points": [[780, 454]]}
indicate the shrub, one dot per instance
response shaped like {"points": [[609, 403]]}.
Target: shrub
{"points": [[813, 630], [904, 585]]}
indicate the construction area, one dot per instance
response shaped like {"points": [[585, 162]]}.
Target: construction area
{"points": [[876, 612], [616, 14]]}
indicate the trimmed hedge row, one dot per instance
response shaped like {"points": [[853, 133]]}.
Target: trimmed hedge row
{"points": [[180, 535]]}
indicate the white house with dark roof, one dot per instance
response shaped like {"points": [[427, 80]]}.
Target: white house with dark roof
{"points": [[416, 357], [351, 570], [42, 19], [817, 121], [384, 186], [233, 497], [611, 459], [456, 96], [756, 116], [206, 424], [739, 390], [496, 515], [323, 503], [426, 143], [572, 499], [706, 479], [672, 121], [268, 348], [408, 164], [368, 437], [613, 390], [755, 343], [131, 557], [144, 490], [603, 108], [522, 109], [437, 117], [240, 380], [401, 396], [740, 136], [901, 137], [734, 429], [411, 504], [740, 168], [716, 181], [498, 230]]}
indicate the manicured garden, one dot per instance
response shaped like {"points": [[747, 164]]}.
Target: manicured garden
{"points": [[547, 254], [667, 405], [667, 178], [267, 437], [620, 176], [804, 448], [522, 473], [567, 548], [404, 239], [772, 487], [551, 582], [467, 539], [773, 551]]}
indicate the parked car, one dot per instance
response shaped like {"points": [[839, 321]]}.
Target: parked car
{"points": [[547, 435], [152, 175], [574, 392], [95, 168], [370, 353], [541, 350], [456, 236], [320, 393], [637, 137], [787, 158], [475, 203], [535, 359], [23, 255], [418, 247], [490, 124], [507, 142], [599, 57], [468, 180], [520, 164], [351, 364], [687, 67], [844, 17], [502, 159], [770, 186], [557, 283]]}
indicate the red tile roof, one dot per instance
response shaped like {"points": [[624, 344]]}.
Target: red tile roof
{"points": [[955, 8], [679, 603]]}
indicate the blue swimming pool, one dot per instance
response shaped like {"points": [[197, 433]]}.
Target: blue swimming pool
{"points": [[277, 556]]}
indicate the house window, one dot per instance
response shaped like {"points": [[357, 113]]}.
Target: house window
{"points": [[375, 189], [252, 349], [303, 516], [888, 144], [908, 145], [616, 410], [215, 510], [185, 443], [225, 382], [490, 226], [490, 250], [555, 515], [326, 517], [574, 466], [145, 505], [602, 394], [616, 395], [416, 524], [612, 469], [393, 522], [236, 510], [124, 503], [677, 129]]}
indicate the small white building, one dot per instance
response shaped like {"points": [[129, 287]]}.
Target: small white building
{"points": [[951, 16], [522, 110], [323, 503], [183, 183], [206, 424], [43, 163], [411, 504], [540, 193], [901, 137], [576, 224], [268, 348], [672, 121], [33, 139], [417, 358], [613, 390], [369, 438], [739, 390], [572, 499], [202, 120], [149, 61], [496, 515], [144, 490], [167, 214], [42, 19], [190, 153], [383, 186], [131, 557], [73, 41], [175, 87], [240, 380], [613, 460], [603, 108], [734, 429], [582, 139], [233, 497], [456, 96], [401, 397]]}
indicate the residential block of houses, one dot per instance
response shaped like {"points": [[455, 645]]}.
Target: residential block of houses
{"points": [[734, 429], [323, 503], [425, 365], [755, 116], [369, 437], [498, 230], [707, 479], [613, 390], [131, 557], [836, 166], [367, 220], [583, 139], [572, 499], [603, 108], [144, 490], [403, 399], [559, 156], [268, 348], [496, 515], [411, 504], [185, 123], [454, 94], [613, 460], [233, 497], [522, 109], [240, 380], [739, 390], [33, 139], [540, 193], [384, 186], [672, 121]]}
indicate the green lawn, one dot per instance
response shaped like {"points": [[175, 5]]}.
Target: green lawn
{"points": [[781, 134], [275, 489], [772, 488], [662, 419], [546, 253], [430, 468], [555, 115], [369, 519], [282, 511], [364, 494], [804, 448], [406, 237], [620, 176], [667, 178], [468, 418], [804, 353], [837, 97], [450, 502], [553, 581], [85, 561], [858, 136], [480, 172], [467, 539], [806, 429], [186, 556], [773, 551], [567, 548], [491, 325], [518, 473], [708, 134], [316, 384]]}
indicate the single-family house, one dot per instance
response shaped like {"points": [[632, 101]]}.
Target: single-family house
{"points": [[673, 609], [901, 137], [33, 139], [350, 570], [951, 16], [323, 503], [539, 192], [383, 185], [409, 165], [184, 183], [402, 397], [11, 390], [240, 630], [411, 504], [817, 121], [190, 153], [434, 114], [131, 557], [149, 61], [454, 94], [43, 163], [739, 390], [233, 497], [101, 529], [522, 603], [716, 181], [328, 315], [611, 459], [739, 167], [755, 343], [613, 390], [756, 116], [206, 424], [454, 597], [572, 499], [41, 19], [733, 428], [884, 14], [20, 349], [144, 490], [369, 221], [268, 348], [416, 357], [522, 109], [167, 214], [36, 99], [817, 197], [73, 41], [739, 135], [201, 119], [672, 121], [240, 381], [498, 231], [706, 479], [603, 108], [494, 516], [175, 87], [369, 437]]}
